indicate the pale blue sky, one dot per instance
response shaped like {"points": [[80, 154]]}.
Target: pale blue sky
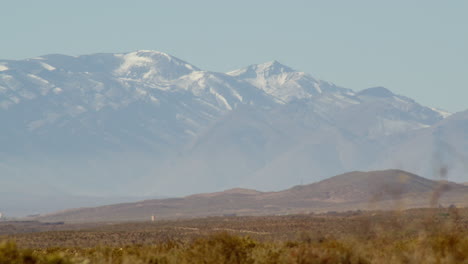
{"points": [[418, 48]]}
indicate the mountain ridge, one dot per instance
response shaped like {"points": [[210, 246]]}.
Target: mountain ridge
{"points": [[351, 191]]}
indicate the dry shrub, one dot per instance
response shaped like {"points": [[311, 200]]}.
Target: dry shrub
{"points": [[11, 254], [438, 236], [221, 248]]}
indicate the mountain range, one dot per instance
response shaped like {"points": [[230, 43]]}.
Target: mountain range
{"points": [[147, 123], [375, 190]]}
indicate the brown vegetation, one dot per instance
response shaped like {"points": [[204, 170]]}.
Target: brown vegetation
{"points": [[412, 236]]}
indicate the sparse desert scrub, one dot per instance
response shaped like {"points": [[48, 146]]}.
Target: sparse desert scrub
{"points": [[415, 236], [227, 248]]}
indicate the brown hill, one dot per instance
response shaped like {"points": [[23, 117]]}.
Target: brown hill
{"points": [[367, 186], [390, 189]]}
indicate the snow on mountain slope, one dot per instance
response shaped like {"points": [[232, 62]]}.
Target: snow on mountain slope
{"points": [[92, 120], [3, 67], [283, 82], [151, 66], [379, 112], [442, 113], [386, 113], [158, 99]]}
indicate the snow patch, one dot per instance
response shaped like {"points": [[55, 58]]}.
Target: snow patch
{"points": [[47, 66], [237, 95], [149, 74], [141, 92], [221, 99], [442, 113], [188, 66], [154, 99], [57, 90], [317, 87], [152, 52], [131, 60], [197, 75], [237, 72], [35, 77]]}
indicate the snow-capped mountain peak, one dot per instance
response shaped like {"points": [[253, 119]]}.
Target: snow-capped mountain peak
{"points": [[265, 70], [283, 82], [152, 65]]}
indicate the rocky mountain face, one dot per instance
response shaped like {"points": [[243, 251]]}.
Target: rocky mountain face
{"points": [[145, 123]]}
